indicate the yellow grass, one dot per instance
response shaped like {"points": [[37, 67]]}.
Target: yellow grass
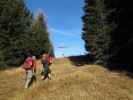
{"points": [[88, 82]]}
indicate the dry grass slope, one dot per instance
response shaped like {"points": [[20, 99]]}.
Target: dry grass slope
{"points": [[88, 82]]}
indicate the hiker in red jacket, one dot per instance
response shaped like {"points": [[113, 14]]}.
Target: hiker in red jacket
{"points": [[30, 68]]}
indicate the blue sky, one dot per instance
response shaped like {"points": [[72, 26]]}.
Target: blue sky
{"points": [[64, 22]]}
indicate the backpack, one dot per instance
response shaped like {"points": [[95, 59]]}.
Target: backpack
{"points": [[28, 63], [50, 59]]}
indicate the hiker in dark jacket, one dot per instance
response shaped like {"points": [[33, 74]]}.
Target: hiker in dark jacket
{"points": [[45, 70]]}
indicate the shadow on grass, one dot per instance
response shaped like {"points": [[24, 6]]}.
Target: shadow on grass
{"points": [[122, 62], [81, 60], [119, 67]]}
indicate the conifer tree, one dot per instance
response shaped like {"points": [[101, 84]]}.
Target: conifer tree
{"points": [[42, 43], [97, 30], [122, 35], [14, 24]]}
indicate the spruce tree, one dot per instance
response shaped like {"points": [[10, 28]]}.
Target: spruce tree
{"points": [[14, 24], [87, 27], [122, 35], [97, 30], [41, 39]]}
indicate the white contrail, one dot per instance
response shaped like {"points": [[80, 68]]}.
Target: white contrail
{"points": [[69, 33]]}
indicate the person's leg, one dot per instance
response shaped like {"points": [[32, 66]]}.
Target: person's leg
{"points": [[34, 78], [45, 74], [45, 71], [28, 78], [49, 74], [42, 72]]}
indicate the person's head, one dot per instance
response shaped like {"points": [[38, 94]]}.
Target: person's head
{"points": [[34, 57], [44, 55]]}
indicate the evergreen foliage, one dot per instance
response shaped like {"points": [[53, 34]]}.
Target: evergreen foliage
{"points": [[96, 30], [17, 37], [42, 43], [107, 31], [14, 24]]}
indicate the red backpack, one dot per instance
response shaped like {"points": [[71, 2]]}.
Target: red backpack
{"points": [[50, 59], [28, 63]]}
